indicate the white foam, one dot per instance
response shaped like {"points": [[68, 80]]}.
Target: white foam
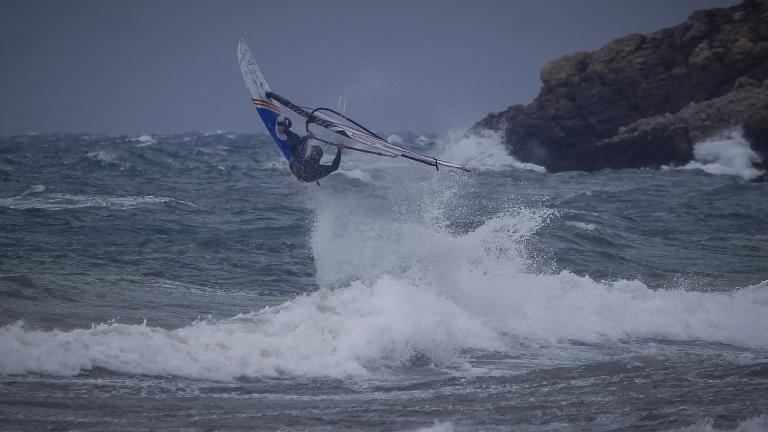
{"points": [[275, 164], [144, 140], [484, 150], [358, 329], [103, 156], [484, 272], [437, 427], [34, 189], [582, 225], [215, 132], [728, 154], [58, 201], [357, 174], [339, 333]]}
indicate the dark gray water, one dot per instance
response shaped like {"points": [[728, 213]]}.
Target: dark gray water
{"points": [[187, 283]]}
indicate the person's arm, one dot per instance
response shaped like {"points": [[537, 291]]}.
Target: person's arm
{"points": [[337, 158], [305, 139], [297, 144]]}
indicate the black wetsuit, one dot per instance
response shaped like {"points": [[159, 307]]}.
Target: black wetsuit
{"points": [[307, 167]]}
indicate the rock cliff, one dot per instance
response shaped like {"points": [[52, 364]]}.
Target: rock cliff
{"points": [[644, 100]]}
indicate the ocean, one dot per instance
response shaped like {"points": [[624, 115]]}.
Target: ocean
{"points": [[188, 283]]}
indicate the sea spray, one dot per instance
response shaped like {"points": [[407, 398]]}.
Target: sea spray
{"points": [[727, 154], [482, 150], [413, 290]]}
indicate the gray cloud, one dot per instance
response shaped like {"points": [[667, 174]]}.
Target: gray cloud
{"points": [[108, 66]]}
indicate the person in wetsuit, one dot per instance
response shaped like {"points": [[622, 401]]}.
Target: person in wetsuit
{"points": [[304, 165]]}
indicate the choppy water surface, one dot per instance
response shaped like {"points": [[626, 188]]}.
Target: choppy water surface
{"points": [[187, 283]]}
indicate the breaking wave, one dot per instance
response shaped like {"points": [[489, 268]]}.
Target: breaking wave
{"points": [[728, 154], [400, 285], [483, 150]]}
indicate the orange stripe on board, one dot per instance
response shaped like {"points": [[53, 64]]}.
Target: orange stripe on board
{"points": [[256, 100], [265, 104]]}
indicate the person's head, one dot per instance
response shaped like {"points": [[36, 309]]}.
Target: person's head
{"points": [[283, 124]]}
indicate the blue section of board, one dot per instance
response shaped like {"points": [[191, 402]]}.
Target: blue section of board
{"points": [[269, 118]]}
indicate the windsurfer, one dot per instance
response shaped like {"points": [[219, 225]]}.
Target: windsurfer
{"points": [[304, 165]]}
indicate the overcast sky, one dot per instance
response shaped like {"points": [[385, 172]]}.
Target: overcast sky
{"points": [[134, 67]]}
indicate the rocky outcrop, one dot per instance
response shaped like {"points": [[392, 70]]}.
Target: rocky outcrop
{"points": [[645, 100]]}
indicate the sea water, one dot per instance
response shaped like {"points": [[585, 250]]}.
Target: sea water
{"points": [[187, 282]]}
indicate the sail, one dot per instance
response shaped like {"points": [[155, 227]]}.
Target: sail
{"points": [[263, 100], [348, 128], [258, 89]]}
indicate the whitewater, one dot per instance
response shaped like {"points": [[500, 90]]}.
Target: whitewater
{"points": [[187, 282]]}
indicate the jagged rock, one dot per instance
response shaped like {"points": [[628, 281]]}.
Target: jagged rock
{"points": [[669, 138], [559, 70], [644, 100], [743, 46], [745, 82]]}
